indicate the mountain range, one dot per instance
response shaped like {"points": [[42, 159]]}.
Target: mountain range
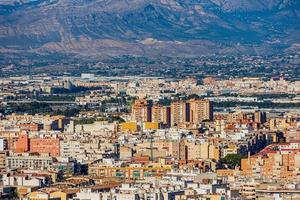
{"points": [[98, 28]]}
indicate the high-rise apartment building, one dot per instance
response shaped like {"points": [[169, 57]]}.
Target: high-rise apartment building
{"points": [[141, 111], [166, 115], [157, 113], [260, 117], [161, 114], [200, 110], [179, 111]]}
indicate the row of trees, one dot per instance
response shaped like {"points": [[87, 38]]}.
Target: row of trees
{"points": [[37, 107]]}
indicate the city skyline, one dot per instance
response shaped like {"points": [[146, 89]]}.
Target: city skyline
{"points": [[149, 99]]}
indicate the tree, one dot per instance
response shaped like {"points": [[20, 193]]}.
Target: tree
{"points": [[231, 161]]}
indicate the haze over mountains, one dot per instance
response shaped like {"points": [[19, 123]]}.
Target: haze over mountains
{"points": [[150, 27]]}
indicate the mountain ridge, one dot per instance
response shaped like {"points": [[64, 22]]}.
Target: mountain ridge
{"points": [[171, 27]]}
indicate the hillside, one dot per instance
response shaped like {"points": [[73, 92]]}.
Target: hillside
{"points": [[149, 27]]}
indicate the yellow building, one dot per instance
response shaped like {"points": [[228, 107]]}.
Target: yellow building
{"points": [[129, 127], [53, 194], [231, 149], [213, 197], [151, 125], [137, 172], [60, 195], [38, 195], [278, 124]]}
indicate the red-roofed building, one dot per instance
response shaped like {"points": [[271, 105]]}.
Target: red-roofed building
{"points": [[276, 161]]}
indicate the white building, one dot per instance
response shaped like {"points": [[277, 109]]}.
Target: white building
{"points": [[3, 144], [26, 180]]}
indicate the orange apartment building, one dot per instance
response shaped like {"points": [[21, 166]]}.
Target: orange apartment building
{"points": [[161, 114], [30, 126], [37, 145], [22, 144], [276, 161], [141, 111], [157, 113], [178, 114], [11, 137], [200, 110], [45, 145]]}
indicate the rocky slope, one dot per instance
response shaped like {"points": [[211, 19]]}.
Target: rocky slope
{"points": [[149, 27]]}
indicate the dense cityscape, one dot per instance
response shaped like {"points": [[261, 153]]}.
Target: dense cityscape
{"points": [[151, 138], [149, 99]]}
